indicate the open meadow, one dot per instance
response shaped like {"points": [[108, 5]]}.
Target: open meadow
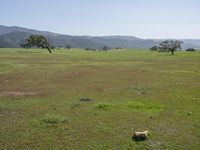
{"points": [[85, 100]]}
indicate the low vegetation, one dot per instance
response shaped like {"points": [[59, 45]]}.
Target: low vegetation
{"points": [[130, 105], [80, 99], [49, 120]]}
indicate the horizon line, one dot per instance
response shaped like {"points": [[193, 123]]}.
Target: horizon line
{"points": [[122, 35]]}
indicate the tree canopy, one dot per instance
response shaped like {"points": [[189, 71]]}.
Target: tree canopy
{"points": [[190, 49], [37, 41], [170, 45]]}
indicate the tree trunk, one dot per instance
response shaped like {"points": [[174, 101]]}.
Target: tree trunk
{"points": [[172, 52], [49, 49]]}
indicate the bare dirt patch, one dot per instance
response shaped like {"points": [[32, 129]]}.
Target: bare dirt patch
{"points": [[18, 94]]}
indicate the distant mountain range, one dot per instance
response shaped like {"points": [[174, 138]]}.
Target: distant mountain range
{"points": [[13, 37]]}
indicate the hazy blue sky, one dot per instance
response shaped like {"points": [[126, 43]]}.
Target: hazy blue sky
{"points": [[141, 18]]}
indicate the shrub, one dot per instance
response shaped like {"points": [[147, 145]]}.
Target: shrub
{"points": [[154, 48], [90, 49]]}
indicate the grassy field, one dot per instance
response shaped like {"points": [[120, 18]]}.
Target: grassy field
{"points": [[82, 100]]}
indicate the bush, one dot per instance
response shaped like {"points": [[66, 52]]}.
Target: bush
{"points": [[154, 48], [105, 48], [52, 47], [90, 49]]}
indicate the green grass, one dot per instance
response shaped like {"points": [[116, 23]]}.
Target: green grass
{"points": [[130, 90], [49, 120], [132, 105], [104, 106]]}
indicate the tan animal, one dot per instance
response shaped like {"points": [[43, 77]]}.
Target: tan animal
{"points": [[140, 136]]}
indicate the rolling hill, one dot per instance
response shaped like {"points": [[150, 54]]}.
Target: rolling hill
{"points": [[13, 37]]}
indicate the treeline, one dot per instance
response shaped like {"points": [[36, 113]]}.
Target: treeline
{"points": [[169, 46]]}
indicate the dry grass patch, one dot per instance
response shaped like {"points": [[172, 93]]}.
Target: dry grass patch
{"points": [[18, 94]]}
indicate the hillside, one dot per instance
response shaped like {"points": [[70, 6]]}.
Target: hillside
{"points": [[14, 36]]}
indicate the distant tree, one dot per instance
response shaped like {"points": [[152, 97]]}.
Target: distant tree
{"points": [[170, 45], [191, 49], [68, 47], [24, 46], [52, 47], [154, 48], [90, 49], [87, 49], [105, 48], [37, 41]]}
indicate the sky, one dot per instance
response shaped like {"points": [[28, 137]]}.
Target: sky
{"points": [[141, 18]]}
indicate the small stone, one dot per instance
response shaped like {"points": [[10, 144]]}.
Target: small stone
{"points": [[141, 93], [86, 100]]}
